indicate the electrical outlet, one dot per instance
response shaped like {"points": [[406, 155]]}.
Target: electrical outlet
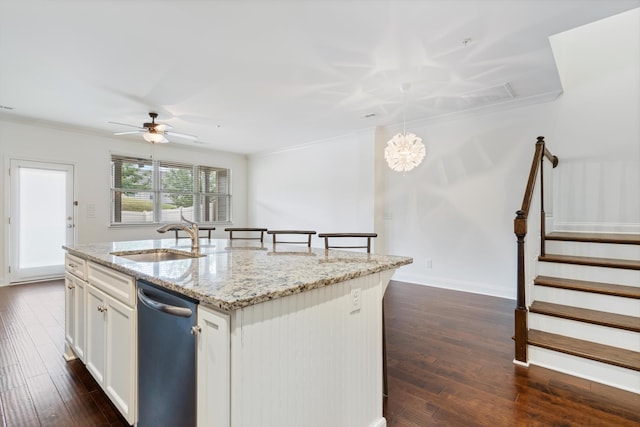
{"points": [[428, 263], [355, 300]]}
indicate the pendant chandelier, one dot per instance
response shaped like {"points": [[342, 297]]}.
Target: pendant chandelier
{"points": [[405, 150]]}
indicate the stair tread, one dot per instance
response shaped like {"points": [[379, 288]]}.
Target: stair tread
{"points": [[602, 353], [598, 262], [589, 350], [629, 239], [586, 286], [620, 321]]}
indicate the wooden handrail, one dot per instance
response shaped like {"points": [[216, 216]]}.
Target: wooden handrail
{"points": [[541, 150], [520, 230]]}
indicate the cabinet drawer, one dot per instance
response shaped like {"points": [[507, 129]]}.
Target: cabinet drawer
{"points": [[76, 266], [119, 285]]}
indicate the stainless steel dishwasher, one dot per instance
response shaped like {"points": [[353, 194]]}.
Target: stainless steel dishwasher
{"points": [[166, 358]]}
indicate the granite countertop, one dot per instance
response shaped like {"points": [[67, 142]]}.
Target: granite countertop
{"points": [[238, 273]]}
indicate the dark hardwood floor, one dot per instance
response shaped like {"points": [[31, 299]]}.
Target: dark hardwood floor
{"points": [[449, 362], [37, 386]]}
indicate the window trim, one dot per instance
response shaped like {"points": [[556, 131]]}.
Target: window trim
{"points": [[157, 190]]}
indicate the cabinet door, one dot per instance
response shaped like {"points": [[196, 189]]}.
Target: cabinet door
{"points": [[121, 357], [69, 313], [214, 368], [80, 306], [96, 333]]}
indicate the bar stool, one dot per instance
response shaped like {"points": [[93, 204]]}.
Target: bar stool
{"points": [[205, 227], [246, 229], [308, 233], [200, 228], [368, 236]]}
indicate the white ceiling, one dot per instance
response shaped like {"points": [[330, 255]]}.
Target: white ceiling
{"points": [[251, 76]]}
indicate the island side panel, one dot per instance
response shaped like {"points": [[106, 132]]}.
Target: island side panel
{"points": [[309, 360]]}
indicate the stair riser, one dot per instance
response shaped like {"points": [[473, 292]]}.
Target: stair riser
{"points": [[617, 276], [585, 331], [614, 376], [608, 303], [589, 249]]}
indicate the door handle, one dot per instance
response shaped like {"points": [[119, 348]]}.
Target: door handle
{"points": [[165, 308]]}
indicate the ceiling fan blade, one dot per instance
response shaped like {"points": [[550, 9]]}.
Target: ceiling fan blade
{"points": [[181, 135], [128, 132], [125, 124]]}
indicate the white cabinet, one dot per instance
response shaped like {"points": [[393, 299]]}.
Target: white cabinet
{"points": [[121, 358], [111, 323], [75, 289], [111, 327], [118, 285], [74, 325], [76, 266], [96, 333], [69, 313], [213, 355]]}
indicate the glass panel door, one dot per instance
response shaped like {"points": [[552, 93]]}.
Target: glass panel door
{"points": [[41, 219]]}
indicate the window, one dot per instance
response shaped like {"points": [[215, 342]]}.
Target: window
{"points": [[145, 191]]}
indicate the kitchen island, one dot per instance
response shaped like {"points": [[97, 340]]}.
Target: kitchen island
{"points": [[290, 336]]}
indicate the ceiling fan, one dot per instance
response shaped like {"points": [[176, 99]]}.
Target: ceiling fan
{"points": [[153, 132]]}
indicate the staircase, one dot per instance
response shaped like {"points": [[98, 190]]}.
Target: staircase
{"points": [[585, 316]]}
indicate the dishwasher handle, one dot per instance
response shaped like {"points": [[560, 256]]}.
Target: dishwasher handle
{"points": [[165, 308]]}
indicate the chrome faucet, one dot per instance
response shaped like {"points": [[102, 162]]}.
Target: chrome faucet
{"points": [[191, 230]]}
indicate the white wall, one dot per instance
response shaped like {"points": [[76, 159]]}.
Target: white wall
{"points": [[599, 125], [327, 187], [456, 210], [454, 213], [90, 155]]}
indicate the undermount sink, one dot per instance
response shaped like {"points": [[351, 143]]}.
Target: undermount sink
{"points": [[155, 255]]}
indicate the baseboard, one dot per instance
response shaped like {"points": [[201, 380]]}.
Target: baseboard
{"points": [[614, 376], [519, 363], [457, 285], [382, 422], [68, 354], [599, 227], [35, 280]]}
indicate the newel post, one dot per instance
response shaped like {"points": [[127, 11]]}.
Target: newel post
{"points": [[520, 230]]}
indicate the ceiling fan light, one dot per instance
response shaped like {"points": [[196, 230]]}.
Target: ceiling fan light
{"points": [[154, 137]]}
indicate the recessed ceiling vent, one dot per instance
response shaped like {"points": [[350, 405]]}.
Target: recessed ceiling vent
{"points": [[487, 96]]}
